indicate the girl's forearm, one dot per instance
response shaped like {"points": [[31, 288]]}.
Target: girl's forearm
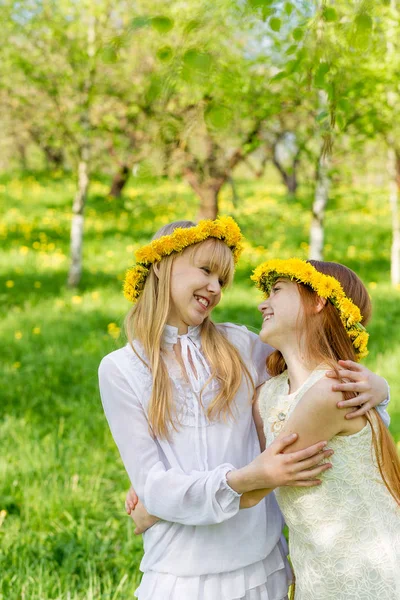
{"points": [[250, 499]]}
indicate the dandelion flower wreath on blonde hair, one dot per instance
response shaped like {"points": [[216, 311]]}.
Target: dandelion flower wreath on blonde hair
{"points": [[325, 286], [222, 228]]}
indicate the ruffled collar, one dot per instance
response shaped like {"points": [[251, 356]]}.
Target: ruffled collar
{"points": [[170, 335]]}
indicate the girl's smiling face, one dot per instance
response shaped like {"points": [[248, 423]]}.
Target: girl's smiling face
{"points": [[281, 313], [197, 279]]}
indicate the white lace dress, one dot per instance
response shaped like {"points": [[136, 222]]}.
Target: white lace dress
{"points": [[344, 536]]}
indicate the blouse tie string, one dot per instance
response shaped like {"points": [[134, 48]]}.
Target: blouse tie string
{"points": [[198, 372]]}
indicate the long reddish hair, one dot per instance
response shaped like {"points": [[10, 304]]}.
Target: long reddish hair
{"points": [[326, 341]]}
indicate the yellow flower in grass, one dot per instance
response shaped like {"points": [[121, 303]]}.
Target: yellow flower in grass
{"points": [[36, 330], [17, 365], [76, 299], [3, 514], [10, 284], [18, 335], [113, 330], [37, 284]]}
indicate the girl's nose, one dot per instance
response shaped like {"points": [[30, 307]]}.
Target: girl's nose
{"points": [[262, 306], [214, 285]]}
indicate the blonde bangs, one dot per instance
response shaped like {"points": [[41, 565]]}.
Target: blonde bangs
{"points": [[220, 258]]}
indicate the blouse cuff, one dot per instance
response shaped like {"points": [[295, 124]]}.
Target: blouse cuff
{"points": [[227, 496]]}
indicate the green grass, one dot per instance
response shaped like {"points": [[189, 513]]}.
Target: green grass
{"points": [[63, 532]]}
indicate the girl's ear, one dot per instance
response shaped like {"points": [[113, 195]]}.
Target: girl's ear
{"points": [[321, 303]]}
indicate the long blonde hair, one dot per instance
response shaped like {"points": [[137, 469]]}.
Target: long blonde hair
{"points": [[326, 341], [145, 323]]}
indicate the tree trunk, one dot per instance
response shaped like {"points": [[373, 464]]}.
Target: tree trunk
{"points": [[22, 155], [78, 207], [208, 208], [321, 197], [289, 178], [235, 197], [75, 271], [119, 181], [208, 192], [394, 183]]}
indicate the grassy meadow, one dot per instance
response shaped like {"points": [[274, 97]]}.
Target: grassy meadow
{"points": [[63, 531]]}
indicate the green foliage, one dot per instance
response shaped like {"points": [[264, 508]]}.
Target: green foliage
{"points": [[63, 531]]}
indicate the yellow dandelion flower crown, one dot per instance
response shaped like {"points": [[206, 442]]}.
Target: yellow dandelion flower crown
{"points": [[222, 228], [326, 286]]}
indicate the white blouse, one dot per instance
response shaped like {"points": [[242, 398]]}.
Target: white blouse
{"points": [[183, 480]]}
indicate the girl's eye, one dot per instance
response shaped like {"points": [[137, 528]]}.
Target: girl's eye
{"points": [[221, 282], [206, 269], [275, 289]]}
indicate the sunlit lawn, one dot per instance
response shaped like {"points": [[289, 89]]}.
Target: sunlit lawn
{"points": [[63, 533]]}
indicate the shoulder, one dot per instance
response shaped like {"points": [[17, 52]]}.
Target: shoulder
{"points": [[321, 401], [232, 330], [123, 364], [113, 361]]}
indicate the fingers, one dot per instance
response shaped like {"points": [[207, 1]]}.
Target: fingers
{"points": [[281, 443], [132, 496], [128, 507], [314, 460], [349, 369], [358, 387], [351, 365], [351, 376], [306, 483], [311, 474], [311, 451], [356, 401], [362, 410]]}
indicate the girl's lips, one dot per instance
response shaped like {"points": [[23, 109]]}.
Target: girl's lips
{"points": [[268, 317], [201, 301]]}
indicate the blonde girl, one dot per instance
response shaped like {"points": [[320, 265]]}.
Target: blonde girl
{"points": [[178, 399], [344, 535]]}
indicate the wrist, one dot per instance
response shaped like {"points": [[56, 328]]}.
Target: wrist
{"points": [[241, 480]]}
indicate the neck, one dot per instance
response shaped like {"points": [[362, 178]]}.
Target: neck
{"points": [[298, 367]]}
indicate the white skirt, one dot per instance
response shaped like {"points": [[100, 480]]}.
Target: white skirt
{"points": [[267, 579]]}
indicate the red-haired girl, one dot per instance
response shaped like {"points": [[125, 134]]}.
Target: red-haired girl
{"points": [[345, 534]]}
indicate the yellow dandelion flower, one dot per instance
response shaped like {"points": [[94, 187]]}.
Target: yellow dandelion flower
{"points": [[36, 330], [95, 295], [76, 299], [17, 365], [37, 284], [10, 283], [18, 335], [113, 330]]}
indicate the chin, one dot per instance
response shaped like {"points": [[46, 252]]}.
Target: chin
{"points": [[266, 336]]}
